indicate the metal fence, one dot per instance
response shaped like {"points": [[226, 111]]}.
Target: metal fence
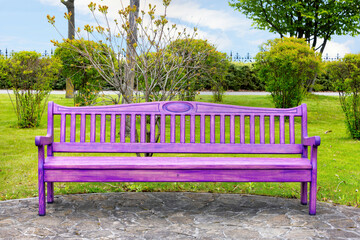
{"points": [[235, 57], [7, 53], [247, 58]]}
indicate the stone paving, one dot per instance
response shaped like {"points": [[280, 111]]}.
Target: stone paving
{"points": [[176, 216]]}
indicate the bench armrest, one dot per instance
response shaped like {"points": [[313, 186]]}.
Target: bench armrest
{"points": [[312, 141], [43, 140]]}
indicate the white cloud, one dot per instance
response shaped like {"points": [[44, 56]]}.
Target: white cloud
{"points": [[220, 24], [195, 14], [333, 48], [212, 24]]}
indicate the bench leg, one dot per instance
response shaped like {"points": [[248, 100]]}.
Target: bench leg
{"points": [[42, 204], [313, 190], [50, 192], [304, 189], [41, 182]]}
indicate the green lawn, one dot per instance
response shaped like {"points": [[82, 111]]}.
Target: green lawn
{"points": [[338, 158]]}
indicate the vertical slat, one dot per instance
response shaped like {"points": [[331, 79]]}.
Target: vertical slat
{"points": [[272, 129], [292, 130], [222, 128], [202, 129], [63, 127], [232, 129], [212, 128], [152, 128], [143, 128], [172, 128], [133, 128], [83, 128], [282, 129], [73, 127], [303, 121], [113, 128], [252, 129], [122, 128], [304, 128], [192, 129], [92, 127], [182, 128], [242, 129], [262, 129], [50, 128], [163, 128], [102, 128]]}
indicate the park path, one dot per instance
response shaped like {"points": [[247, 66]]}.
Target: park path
{"points": [[171, 215], [57, 92]]}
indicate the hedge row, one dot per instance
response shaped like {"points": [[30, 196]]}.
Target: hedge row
{"points": [[240, 76], [243, 76]]}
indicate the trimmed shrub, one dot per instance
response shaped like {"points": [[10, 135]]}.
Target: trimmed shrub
{"points": [[86, 79], [4, 80], [287, 66], [323, 81], [243, 76], [346, 76], [213, 69], [31, 78], [59, 83]]}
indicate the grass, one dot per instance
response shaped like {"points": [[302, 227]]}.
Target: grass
{"points": [[338, 158]]}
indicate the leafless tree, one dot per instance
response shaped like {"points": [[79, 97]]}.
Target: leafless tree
{"points": [[139, 65]]}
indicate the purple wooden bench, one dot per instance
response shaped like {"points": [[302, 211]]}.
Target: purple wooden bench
{"points": [[180, 128]]}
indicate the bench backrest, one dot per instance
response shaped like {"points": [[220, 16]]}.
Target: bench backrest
{"points": [[184, 127]]}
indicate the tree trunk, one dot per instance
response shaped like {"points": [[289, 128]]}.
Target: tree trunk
{"points": [[131, 50], [321, 52], [71, 34]]}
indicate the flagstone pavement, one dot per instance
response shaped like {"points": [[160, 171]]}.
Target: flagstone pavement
{"points": [[174, 215]]}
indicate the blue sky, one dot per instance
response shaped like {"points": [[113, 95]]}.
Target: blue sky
{"points": [[23, 24]]}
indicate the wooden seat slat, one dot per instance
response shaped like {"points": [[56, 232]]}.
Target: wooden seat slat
{"points": [[179, 148], [83, 128], [73, 128], [176, 175], [175, 163], [102, 128], [113, 128], [92, 128], [291, 130]]}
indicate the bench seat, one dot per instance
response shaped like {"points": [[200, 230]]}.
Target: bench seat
{"points": [[176, 163]]}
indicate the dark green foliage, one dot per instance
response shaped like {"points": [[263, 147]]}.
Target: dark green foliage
{"points": [[346, 76], [86, 79], [4, 80], [59, 83], [31, 78], [323, 81], [212, 70], [287, 66], [243, 76]]}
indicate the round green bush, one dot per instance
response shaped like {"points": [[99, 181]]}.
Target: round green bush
{"points": [[288, 67]]}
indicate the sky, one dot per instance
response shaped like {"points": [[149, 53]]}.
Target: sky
{"points": [[24, 26]]}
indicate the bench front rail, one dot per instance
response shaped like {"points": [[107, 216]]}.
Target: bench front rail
{"points": [[177, 128]]}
